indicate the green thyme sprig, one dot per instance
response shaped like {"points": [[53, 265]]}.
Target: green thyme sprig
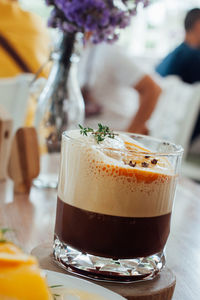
{"points": [[100, 134], [55, 286], [85, 130], [3, 231]]}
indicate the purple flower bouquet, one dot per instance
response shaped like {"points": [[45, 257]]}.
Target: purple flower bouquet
{"points": [[98, 19]]}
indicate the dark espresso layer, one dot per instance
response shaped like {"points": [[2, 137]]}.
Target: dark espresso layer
{"points": [[111, 236]]}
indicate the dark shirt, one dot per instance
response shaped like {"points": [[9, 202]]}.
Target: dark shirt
{"points": [[184, 62]]}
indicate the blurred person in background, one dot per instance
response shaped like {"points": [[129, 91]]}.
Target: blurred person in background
{"points": [[24, 41], [124, 95], [24, 46], [184, 61]]}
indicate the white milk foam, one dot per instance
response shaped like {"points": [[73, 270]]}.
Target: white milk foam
{"points": [[97, 180]]}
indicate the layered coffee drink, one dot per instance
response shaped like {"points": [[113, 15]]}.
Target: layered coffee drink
{"points": [[115, 196]]}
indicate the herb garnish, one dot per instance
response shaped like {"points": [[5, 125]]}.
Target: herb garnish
{"points": [[85, 130], [100, 134], [55, 286], [2, 234]]}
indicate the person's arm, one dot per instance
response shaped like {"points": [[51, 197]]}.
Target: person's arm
{"points": [[149, 93]]}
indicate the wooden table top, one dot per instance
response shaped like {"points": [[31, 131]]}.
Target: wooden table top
{"points": [[32, 219]]}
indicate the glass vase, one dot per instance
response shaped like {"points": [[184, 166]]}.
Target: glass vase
{"points": [[60, 107]]}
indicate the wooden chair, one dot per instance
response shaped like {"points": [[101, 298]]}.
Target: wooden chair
{"points": [[175, 117]]}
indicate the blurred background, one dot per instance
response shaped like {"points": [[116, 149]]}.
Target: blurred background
{"points": [[161, 19]]}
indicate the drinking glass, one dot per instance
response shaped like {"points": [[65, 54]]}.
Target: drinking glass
{"points": [[113, 221]]}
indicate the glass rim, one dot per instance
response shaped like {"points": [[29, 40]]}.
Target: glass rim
{"points": [[178, 149]]}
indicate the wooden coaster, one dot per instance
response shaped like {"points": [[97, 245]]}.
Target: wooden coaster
{"points": [[160, 288]]}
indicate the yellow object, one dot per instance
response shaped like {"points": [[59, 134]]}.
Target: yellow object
{"points": [[27, 35], [20, 276], [24, 46]]}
